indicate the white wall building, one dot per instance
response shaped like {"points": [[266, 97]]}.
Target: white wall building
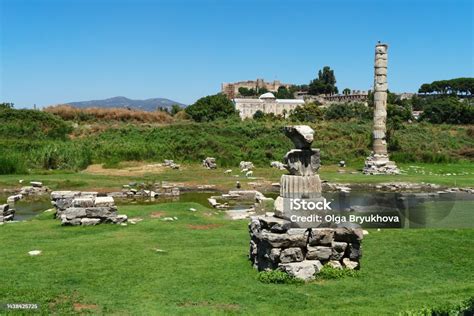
{"points": [[267, 103]]}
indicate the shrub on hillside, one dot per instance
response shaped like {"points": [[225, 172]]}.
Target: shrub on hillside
{"points": [[210, 108], [310, 112], [448, 110], [347, 111], [32, 124], [70, 113]]}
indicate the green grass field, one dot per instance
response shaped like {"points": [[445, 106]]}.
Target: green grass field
{"points": [[204, 269]]}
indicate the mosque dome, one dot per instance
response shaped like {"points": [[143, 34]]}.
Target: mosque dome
{"points": [[267, 95]]}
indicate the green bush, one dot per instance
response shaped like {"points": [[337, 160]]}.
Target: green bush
{"points": [[448, 110], [347, 111], [464, 308], [32, 124], [211, 108], [330, 273], [12, 164], [277, 277]]}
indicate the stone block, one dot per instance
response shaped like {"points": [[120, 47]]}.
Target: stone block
{"points": [[321, 237], [102, 212], [4, 208], [104, 201], [338, 250], [286, 240], [74, 212], [304, 270], [349, 235], [291, 255], [82, 202], [90, 221], [321, 253]]}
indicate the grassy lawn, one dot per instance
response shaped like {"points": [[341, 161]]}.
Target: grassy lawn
{"points": [[204, 269], [452, 175]]}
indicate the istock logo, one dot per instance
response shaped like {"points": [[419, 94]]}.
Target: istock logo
{"points": [[305, 205]]}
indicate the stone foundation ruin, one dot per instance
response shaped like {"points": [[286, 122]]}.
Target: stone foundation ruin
{"points": [[302, 252], [85, 208], [301, 248]]}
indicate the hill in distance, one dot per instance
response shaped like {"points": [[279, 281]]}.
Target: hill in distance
{"points": [[123, 102]]}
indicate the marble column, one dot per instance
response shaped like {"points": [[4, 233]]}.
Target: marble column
{"points": [[378, 162]]}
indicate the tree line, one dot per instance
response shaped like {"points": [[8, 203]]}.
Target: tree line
{"points": [[458, 86]]}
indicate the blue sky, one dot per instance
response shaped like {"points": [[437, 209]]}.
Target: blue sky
{"points": [[56, 51]]}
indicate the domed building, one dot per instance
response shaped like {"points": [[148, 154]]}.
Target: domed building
{"points": [[267, 103]]}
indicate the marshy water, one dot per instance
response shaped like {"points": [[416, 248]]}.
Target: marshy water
{"points": [[415, 210]]}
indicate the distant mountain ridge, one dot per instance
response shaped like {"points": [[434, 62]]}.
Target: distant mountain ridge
{"points": [[123, 102]]}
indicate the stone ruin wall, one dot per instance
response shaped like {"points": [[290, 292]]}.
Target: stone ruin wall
{"points": [[75, 208], [302, 252]]}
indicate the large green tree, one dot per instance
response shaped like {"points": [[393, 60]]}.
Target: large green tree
{"points": [[325, 83], [284, 93], [211, 108]]}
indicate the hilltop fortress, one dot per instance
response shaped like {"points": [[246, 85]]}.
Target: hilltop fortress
{"points": [[231, 89]]}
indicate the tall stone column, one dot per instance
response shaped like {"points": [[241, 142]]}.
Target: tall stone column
{"points": [[378, 162]]}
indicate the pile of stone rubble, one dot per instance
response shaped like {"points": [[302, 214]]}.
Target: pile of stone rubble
{"points": [[85, 208], [246, 165], [171, 164], [141, 190], [35, 188], [209, 163], [302, 252]]}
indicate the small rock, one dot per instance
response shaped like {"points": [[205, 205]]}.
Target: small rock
{"points": [[34, 252], [349, 264], [192, 209], [304, 270], [335, 264]]}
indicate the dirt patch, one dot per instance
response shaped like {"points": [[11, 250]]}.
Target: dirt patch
{"points": [[225, 307], [78, 307], [204, 227], [157, 214], [128, 169]]}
